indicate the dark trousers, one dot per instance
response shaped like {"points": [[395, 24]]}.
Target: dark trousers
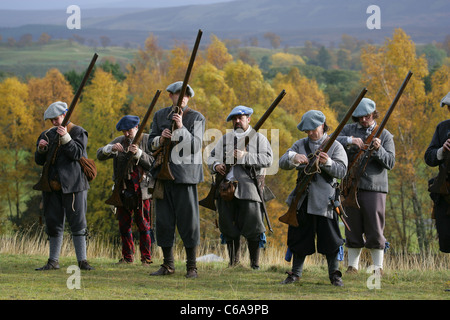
{"points": [[301, 239], [442, 224], [59, 206], [240, 217], [367, 223], [178, 209]]}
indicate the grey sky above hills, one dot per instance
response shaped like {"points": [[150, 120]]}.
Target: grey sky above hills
{"points": [[295, 21]]}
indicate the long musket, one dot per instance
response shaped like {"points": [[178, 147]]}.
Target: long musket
{"points": [[355, 172], [306, 175], [165, 173], [115, 199], [209, 201], [43, 183]]}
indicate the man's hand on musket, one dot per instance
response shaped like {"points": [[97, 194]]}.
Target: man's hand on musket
{"points": [[62, 131], [133, 148], [323, 157], [178, 119], [166, 134], [447, 145], [300, 159], [221, 168], [43, 145], [118, 147], [376, 143], [358, 142]]}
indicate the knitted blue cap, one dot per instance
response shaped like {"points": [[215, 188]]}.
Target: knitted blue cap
{"points": [[127, 123], [239, 110]]}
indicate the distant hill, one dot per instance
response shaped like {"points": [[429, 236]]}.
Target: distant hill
{"points": [[295, 21]]}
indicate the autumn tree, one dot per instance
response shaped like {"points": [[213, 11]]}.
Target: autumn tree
{"points": [[145, 75], [17, 142], [217, 53]]}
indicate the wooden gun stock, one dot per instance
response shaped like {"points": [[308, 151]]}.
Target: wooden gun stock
{"points": [[290, 217], [43, 183], [165, 173], [115, 199], [351, 181], [209, 201]]}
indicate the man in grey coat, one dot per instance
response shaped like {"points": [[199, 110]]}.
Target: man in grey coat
{"points": [[136, 180], [436, 155], [367, 223], [315, 214], [241, 214], [68, 198], [176, 206]]}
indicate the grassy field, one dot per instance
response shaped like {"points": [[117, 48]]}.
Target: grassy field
{"points": [[62, 54], [405, 278], [216, 281]]}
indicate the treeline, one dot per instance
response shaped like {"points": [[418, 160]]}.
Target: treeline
{"points": [[221, 82]]}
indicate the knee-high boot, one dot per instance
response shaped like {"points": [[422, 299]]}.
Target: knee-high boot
{"points": [[233, 248], [253, 249]]}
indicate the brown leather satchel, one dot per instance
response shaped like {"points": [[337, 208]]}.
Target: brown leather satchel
{"points": [[87, 165], [226, 189], [89, 168]]}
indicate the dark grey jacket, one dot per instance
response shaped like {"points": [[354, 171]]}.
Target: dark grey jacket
{"points": [[66, 169], [145, 161], [375, 177], [259, 156], [439, 137], [186, 157]]}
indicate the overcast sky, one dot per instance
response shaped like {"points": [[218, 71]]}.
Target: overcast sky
{"points": [[61, 4]]}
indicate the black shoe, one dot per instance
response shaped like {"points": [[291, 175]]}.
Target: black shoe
{"points": [[336, 279], [84, 265], [191, 273], [291, 278], [50, 265], [163, 271]]}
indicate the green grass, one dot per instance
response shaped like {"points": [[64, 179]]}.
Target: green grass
{"points": [[216, 281], [61, 54]]}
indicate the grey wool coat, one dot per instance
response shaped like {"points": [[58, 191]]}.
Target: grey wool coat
{"points": [[375, 177], [259, 156], [320, 190], [66, 169], [145, 161], [186, 158]]}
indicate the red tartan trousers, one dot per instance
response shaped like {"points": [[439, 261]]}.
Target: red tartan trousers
{"points": [[141, 216]]}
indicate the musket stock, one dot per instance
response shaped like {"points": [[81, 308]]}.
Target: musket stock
{"points": [[305, 176], [351, 181], [209, 201], [43, 183], [165, 173], [115, 199]]}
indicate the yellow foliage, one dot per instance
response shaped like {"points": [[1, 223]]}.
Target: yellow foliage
{"points": [[282, 59]]}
